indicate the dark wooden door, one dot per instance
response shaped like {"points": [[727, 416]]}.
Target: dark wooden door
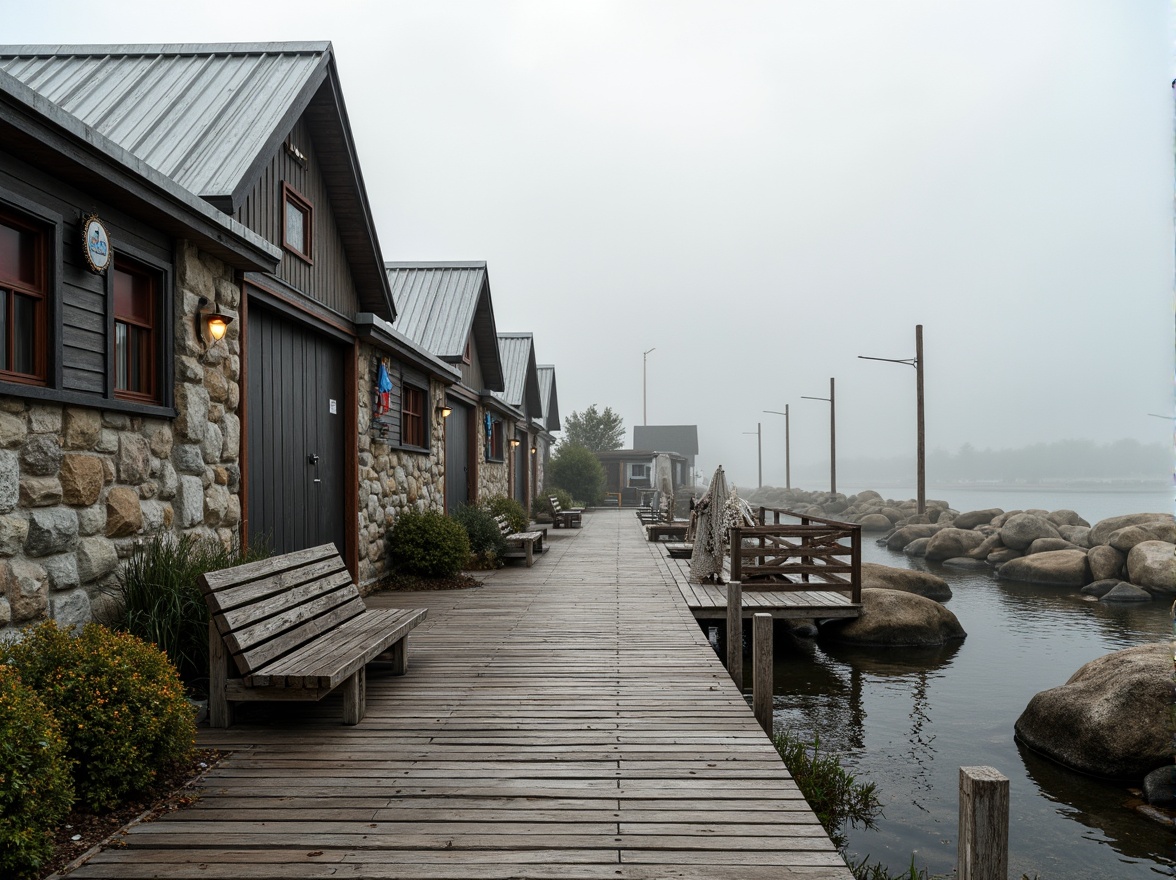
{"points": [[296, 434], [457, 456], [520, 469]]}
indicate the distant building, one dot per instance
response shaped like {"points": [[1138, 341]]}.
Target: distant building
{"points": [[632, 473], [682, 439]]}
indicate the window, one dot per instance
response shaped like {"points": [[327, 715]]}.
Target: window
{"points": [[493, 439], [297, 223], [466, 355], [23, 301], [639, 476], [412, 417], [136, 307]]}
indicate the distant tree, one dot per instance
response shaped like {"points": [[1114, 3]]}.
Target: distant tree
{"points": [[577, 471], [595, 431]]}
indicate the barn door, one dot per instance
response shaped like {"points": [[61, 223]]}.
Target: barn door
{"points": [[296, 434], [457, 456]]}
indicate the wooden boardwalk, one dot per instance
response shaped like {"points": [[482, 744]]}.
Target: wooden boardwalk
{"points": [[564, 721]]}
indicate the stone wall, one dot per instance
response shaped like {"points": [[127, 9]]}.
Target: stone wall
{"points": [[80, 487], [393, 480], [493, 476]]}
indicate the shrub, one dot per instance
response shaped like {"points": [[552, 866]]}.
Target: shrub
{"points": [[835, 795], [515, 513], [540, 512], [120, 703], [486, 543], [35, 786], [428, 543], [161, 602], [577, 471]]}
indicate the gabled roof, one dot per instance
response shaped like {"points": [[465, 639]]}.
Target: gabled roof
{"points": [[518, 368], [212, 116], [438, 306], [682, 439], [550, 418], [47, 137]]}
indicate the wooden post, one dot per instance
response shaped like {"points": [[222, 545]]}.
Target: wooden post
{"points": [[787, 452], [832, 440], [761, 686], [984, 824], [735, 632]]}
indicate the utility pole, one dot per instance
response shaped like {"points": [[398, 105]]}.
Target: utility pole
{"points": [[759, 445], [831, 400], [787, 445], [644, 361], [920, 430]]}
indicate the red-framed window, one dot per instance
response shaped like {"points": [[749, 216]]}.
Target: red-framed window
{"points": [[297, 223], [136, 331], [494, 441], [24, 283], [412, 417]]}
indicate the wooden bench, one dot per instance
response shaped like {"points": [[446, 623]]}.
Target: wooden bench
{"points": [[564, 519], [657, 531], [520, 545], [294, 627], [679, 550]]}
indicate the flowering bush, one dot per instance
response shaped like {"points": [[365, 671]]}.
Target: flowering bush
{"points": [[35, 787], [118, 699]]}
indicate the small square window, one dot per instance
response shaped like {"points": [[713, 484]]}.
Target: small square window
{"points": [[23, 300], [297, 223], [412, 417], [136, 307]]}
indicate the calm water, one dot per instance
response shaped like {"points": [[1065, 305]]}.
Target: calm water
{"points": [[907, 719]]}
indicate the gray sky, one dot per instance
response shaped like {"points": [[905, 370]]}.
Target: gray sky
{"points": [[762, 191]]}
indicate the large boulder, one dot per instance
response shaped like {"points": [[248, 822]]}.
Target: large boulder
{"points": [[893, 618], [1100, 533], [922, 583], [917, 548], [901, 537], [1110, 719], [1044, 545], [1100, 588], [875, 522], [1019, 531], [972, 518], [1078, 535], [951, 542], [1061, 568], [1001, 555], [1152, 565], [1106, 562], [1066, 517], [990, 543], [1125, 538], [1125, 592]]}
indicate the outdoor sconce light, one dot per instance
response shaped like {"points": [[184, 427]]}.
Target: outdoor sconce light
{"points": [[534, 449], [514, 442], [211, 326], [445, 411]]}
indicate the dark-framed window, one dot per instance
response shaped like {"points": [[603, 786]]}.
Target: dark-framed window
{"points": [[467, 353], [494, 439], [412, 417], [137, 307], [297, 223], [24, 299]]}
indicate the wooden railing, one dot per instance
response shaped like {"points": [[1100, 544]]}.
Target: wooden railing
{"points": [[814, 553]]}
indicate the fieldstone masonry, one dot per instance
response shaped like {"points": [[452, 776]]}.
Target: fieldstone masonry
{"points": [[80, 487], [393, 480]]}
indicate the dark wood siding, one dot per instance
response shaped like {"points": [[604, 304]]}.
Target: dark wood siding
{"points": [[296, 444], [471, 373], [78, 321], [328, 279]]}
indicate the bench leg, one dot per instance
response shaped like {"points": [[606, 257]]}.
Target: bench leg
{"points": [[399, 657], [220, 710], [355, 697], [530, 553]]}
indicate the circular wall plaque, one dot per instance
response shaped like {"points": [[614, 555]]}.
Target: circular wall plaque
{"points": [[96, 244]]}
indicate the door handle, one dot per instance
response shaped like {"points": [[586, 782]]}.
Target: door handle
{"points": [[312, 459]]}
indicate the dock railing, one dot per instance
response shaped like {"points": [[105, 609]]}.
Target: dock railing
{"points": [[814, 553]]}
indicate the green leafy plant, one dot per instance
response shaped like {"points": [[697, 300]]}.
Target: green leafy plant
{"points": [[516, 515], [118, 699], [428, 543], [161, 603], [36, 790], [835, 795], [577, 471], [486, 543]]}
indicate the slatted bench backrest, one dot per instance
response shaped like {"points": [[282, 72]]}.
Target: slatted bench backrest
{"points": [[268, 608], [503, 525]]}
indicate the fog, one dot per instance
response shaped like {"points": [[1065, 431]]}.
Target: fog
{"points": [[762, 191]]}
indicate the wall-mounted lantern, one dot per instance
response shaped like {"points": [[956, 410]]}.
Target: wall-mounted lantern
{"points": [[211, 325]]}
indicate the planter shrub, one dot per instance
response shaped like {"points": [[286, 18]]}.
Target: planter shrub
{"points": [[119, 701], [516, 515], [486, 543], [36, 790], [429, 544]]}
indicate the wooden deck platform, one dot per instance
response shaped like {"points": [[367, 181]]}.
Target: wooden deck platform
{"points": [[564, 721], [709, 601]]}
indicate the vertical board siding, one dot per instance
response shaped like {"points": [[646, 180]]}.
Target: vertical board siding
{"points": [[328, 281]]}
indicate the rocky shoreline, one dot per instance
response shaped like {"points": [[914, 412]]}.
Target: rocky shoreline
{"points": [[1112, 717]]}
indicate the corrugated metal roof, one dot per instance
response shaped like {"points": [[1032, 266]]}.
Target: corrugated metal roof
{"points": [[200, 114], [547, 396], [516, 355], [435, 303]]}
